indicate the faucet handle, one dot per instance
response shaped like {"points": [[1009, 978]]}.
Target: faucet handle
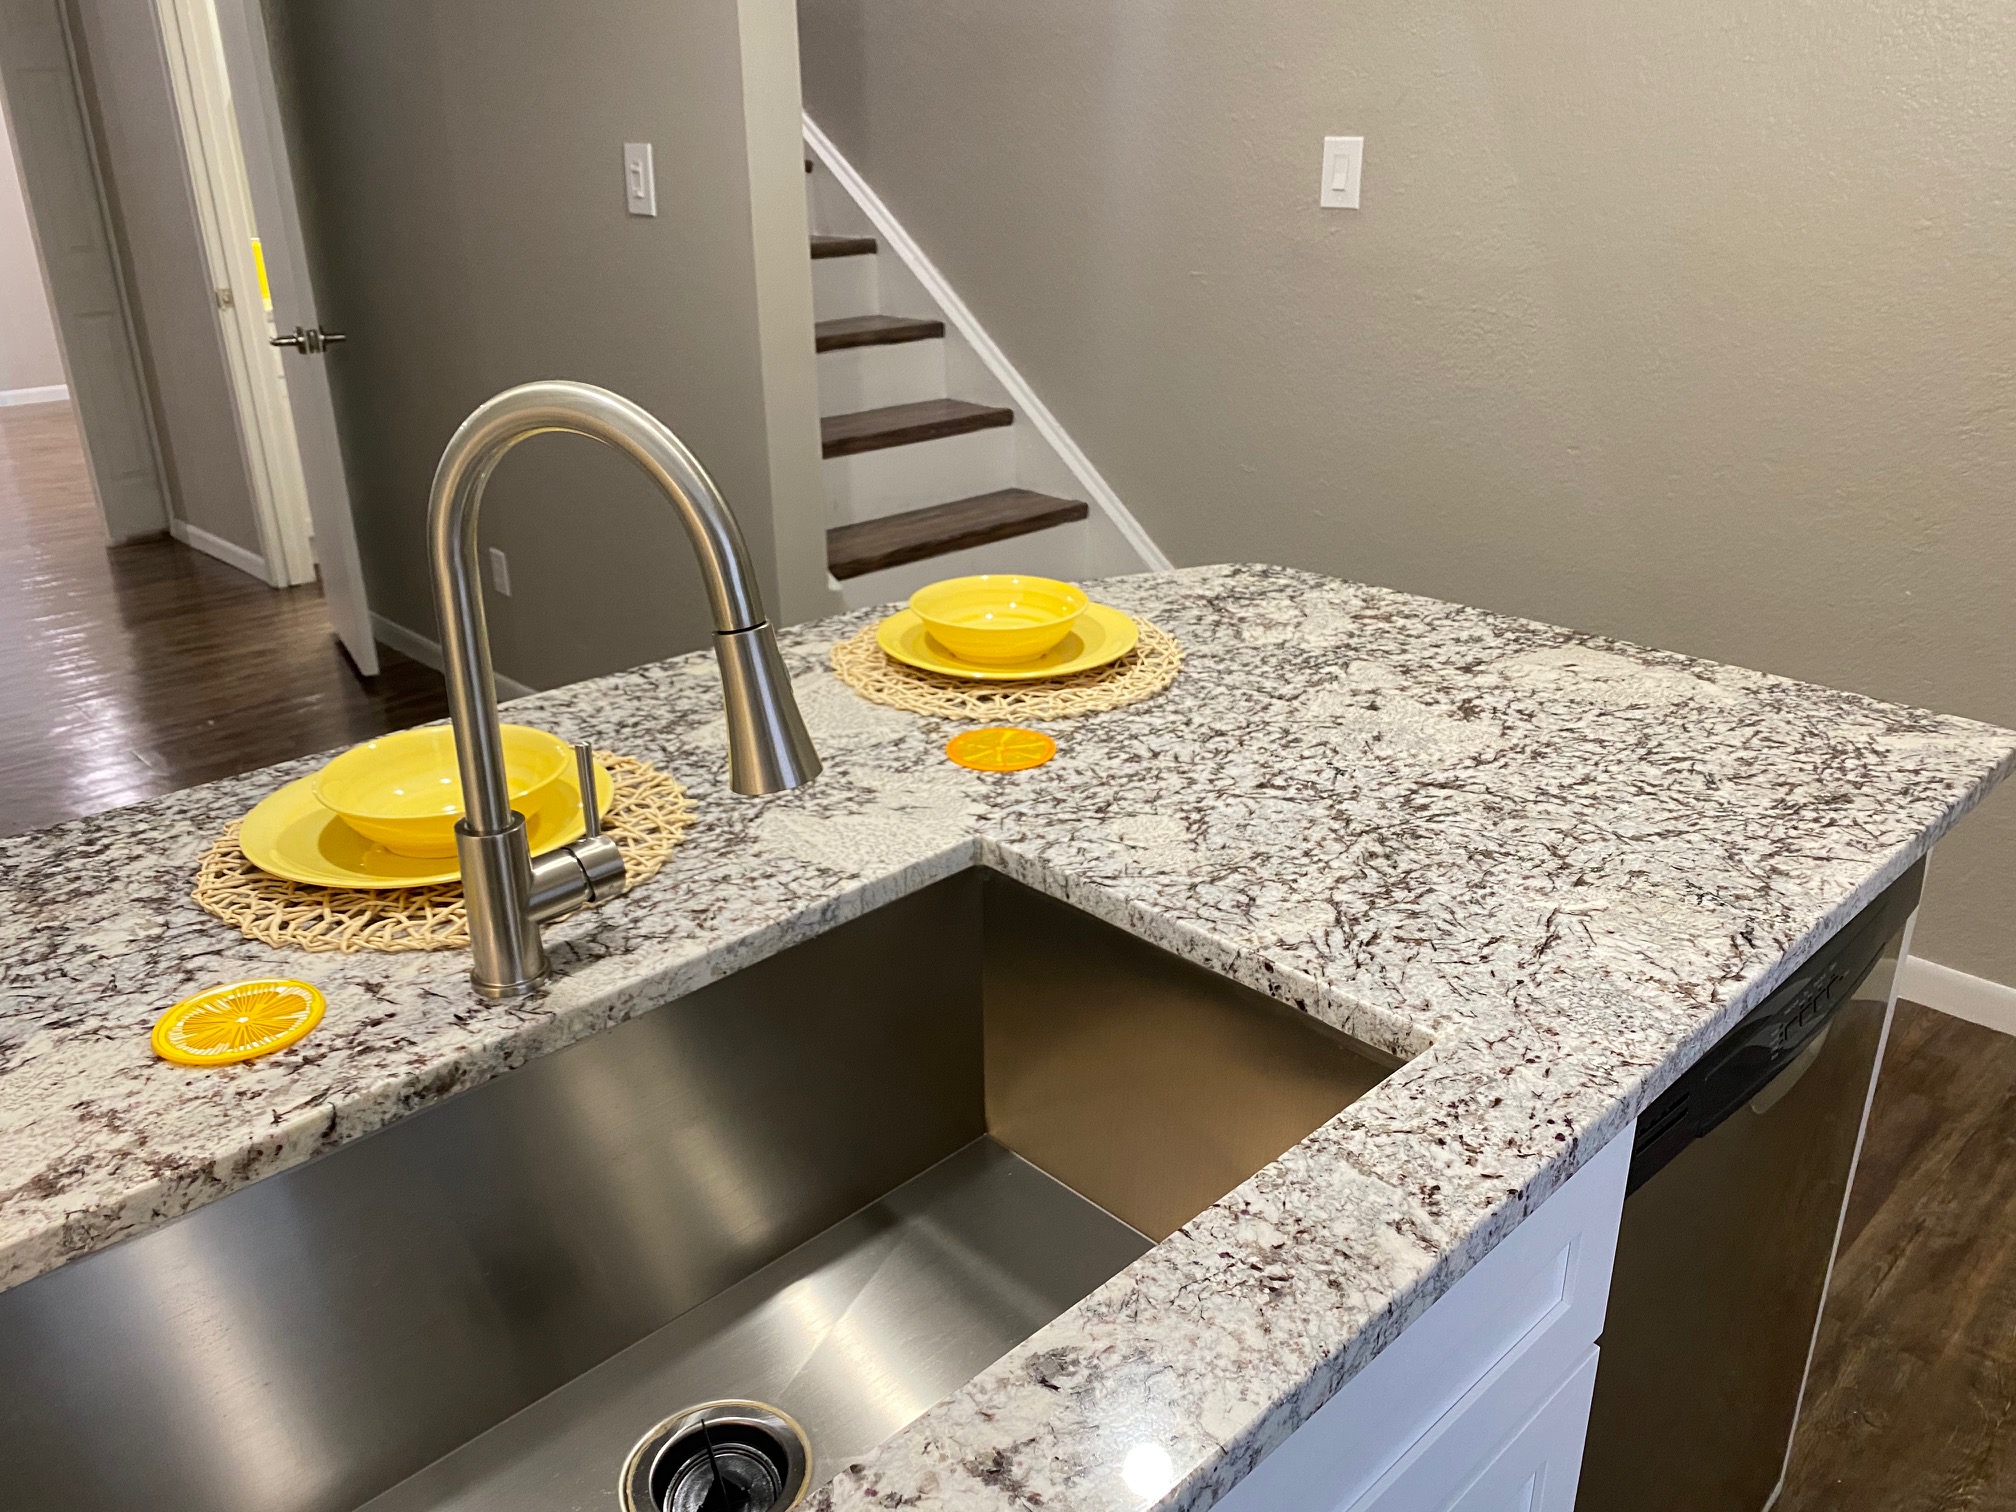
{"points": [[566, 880], [584, 772]]}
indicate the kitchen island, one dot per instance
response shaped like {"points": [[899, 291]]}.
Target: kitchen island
{"points": [[1544, 870]]}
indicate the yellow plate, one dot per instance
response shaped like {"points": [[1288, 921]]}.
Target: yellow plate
{"points": [[291, 835], [1101, 635], [224, 1025]]}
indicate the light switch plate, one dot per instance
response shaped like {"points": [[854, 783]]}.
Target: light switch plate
{"points": [[1343, 167], [500, 571], [640, 179]]}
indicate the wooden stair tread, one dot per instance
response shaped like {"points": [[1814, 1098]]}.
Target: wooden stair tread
{"points": [[904, 424], [917, 534], [873, 330], [842, 246]]}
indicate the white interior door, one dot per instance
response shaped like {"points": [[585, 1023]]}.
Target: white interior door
{"points": [[59, 173], [221, 198], [270, 174]]}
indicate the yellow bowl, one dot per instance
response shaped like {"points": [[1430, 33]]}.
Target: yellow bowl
{"points": [[403, 790], [997, 619]]}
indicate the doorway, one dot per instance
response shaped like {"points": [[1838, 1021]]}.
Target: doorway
{"points": [[157, 182], [174, 595]]}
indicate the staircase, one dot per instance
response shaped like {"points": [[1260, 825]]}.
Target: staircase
{"points": [[929, 471]]}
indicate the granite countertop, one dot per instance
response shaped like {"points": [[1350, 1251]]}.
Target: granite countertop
{"points": [[1550, 869]]}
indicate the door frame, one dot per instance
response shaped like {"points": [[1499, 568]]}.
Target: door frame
{"points": [[193, 50]]}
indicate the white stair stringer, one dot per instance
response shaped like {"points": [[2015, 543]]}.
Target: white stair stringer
{"points": [[1035, 453]]}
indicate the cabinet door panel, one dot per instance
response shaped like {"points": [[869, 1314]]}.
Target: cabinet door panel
{"points": [[1430, 1410], [1537, 1470]]}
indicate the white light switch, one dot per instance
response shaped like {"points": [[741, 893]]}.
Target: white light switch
{"points": [[640, 179], [1343, 166], [500, 571]]}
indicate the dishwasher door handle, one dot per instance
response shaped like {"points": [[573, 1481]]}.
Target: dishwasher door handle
{"points": [[1775, 1091]]}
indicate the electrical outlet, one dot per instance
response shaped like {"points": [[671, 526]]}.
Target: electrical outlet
{"points": [[500, 571], [1343, 167], [640, 179]]}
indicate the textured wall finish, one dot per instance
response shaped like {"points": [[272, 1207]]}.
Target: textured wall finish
{"points": [[464, 196], [1689, 324]]}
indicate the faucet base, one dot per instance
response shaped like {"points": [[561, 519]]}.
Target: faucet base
{"points": [[508, 959], [506, 992]]}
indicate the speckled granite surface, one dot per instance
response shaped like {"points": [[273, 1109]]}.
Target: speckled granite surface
{"points": [[1551, 869]]}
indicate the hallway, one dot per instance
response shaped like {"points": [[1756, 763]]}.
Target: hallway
{"points": [[139, 669]]}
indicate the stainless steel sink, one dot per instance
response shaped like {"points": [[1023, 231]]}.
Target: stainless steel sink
{"points": [[841, 1182]]}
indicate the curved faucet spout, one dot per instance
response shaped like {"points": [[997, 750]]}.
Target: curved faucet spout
{"points": [[769, 749]]}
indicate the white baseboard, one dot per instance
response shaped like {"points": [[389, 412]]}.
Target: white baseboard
{"points": [[427, 652], [1973, 998], [225, 551], [48, 393]]}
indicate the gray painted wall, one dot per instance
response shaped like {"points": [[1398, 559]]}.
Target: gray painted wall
{"points": [[1686, 324], [29, 355], [462, 180], [147, 182]]}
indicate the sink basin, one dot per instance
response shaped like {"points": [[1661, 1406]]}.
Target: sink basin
{"points": [[841, 1182]]}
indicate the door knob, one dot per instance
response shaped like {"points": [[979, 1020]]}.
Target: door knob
{"points": [[309, 342]]}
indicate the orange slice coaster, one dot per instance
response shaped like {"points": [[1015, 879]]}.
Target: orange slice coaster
{"points": [[1001, 748], [224, 1025]]}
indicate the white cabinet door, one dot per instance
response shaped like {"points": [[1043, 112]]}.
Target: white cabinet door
{"points": [[1416, 1425], [1537, 1470]]}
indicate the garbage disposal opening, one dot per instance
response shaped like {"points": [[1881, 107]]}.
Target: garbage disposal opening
{"points": [[730, 1456]]}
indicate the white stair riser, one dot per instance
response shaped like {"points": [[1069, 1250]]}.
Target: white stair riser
{"points": [[1057, 552], [859, 378], [843, 286], [869, 485]]}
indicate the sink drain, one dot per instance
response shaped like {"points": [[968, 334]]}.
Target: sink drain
{"points": [[718, 1457]]}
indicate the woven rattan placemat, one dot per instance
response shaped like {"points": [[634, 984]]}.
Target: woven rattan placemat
{"points": [[649, 814], [1142, 673]]}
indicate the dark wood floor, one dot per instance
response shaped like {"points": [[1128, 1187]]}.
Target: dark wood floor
{"points": [[135, 670], [1913, 1401]]}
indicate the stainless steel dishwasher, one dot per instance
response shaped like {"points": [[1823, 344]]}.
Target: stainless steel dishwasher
{"points": [[1740, 1174]]}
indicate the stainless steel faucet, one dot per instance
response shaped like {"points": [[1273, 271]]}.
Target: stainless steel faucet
{"points": [[509, 892]]}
